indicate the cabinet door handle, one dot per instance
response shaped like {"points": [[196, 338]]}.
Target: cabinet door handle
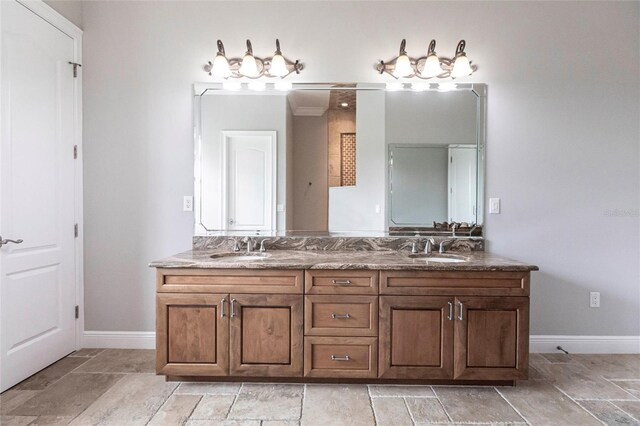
{"points": [[336, 316], [450, 310], [461, 309], [233, 308], [340, 358], [341, 282], [222, 303]]}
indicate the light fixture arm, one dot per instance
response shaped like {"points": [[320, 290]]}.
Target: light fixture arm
{"points": [[460, 48], [249, 48], [403, 46], [220, 48], [432, 48], [278, 52]]}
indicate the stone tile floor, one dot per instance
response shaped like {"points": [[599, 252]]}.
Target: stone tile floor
{"points": [[119, 387]]}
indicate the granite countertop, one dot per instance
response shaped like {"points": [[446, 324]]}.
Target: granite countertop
{"points": [[316, 259]]}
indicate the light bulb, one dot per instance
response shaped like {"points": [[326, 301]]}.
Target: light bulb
{"points": [[249, 67], [394, 86], [403, 66], [461, 67], [231, 85], [257, 85], [220, 67], [278, 66], [431, 67], [447, 87], [283, 86], [420, 86]]}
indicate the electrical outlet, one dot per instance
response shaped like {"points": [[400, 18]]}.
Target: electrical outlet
{"points": [[187, 203], [594, 299]]}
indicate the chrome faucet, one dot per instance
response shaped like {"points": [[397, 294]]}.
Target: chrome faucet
{"points": [[453, 229], [443, 245], [414, 248], [250, 244], [429, 245], [263, 248]]}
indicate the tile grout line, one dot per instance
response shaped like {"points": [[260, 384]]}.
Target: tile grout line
{"points": [[620, 387], [404, 399], [511, 405], [576, 402], [442, 405], [164, 402], [226, 417], [373, 410], [625, 411], [186, 420], [304, 397]]}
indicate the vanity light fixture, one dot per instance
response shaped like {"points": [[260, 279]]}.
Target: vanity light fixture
{"points": [[251, 66], [430, 66]]}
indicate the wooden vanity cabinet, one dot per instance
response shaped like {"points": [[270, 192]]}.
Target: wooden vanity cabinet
{"points": [[444, 326], [202, 332]]}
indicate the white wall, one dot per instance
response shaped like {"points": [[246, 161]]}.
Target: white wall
{"points": [[562, 134], [70, 9]]}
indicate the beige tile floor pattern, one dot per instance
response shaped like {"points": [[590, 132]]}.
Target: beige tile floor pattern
{"points": [[119, 387]]}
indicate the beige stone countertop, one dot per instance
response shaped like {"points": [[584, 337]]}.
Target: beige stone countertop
{"points": [[314, 259]]}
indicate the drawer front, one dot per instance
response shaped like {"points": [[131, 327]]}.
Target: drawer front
{"points": [[340, 357], [229, 281], [341, 315], [341, 282], [457, 283]]}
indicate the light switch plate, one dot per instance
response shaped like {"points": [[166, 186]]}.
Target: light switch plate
{"points": [[494, 205], [594, 299], [187, 203]]}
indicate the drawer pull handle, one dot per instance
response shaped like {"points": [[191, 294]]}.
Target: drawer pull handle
{"points": [[233, 308], [450, 311], [340, 358], [336, 316], [222, 303], [461, 309], [342, 282]]}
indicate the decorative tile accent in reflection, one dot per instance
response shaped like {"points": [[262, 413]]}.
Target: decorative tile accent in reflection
{"points": [[348, 159], [330, 243]]}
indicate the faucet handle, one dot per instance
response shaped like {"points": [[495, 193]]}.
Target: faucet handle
{"points": [[263, 248], [236, 246], [414, 248]]}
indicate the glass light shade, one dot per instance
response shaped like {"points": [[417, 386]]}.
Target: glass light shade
{"points": [[278, 66], [231, 85], [257, 85], [403, 66], [283, 85], [432, 67], [461, 67], [249, 66], [420, 86], [220, 67]]}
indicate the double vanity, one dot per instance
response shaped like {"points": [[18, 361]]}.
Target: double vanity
{"points": [[331, 310]]}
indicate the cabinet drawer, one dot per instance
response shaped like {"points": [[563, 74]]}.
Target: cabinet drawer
{"points": [[341, 315], [443, 283], [339, 357], [229, 281], [341, 282]]}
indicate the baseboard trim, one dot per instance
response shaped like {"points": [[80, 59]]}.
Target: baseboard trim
{"points": [[537, 344], [586, 344], [119, 339]]}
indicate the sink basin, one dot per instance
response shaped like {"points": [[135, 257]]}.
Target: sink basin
{"points": [[240, 256], [438, 258]]}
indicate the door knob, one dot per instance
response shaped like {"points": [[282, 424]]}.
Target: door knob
{"points": [[7, 241]]}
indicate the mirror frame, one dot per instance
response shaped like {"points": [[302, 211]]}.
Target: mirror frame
{"points": [[203, 89]]}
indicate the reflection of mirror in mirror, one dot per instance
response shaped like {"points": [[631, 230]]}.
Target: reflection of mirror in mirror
{"points": [[337, 159]]}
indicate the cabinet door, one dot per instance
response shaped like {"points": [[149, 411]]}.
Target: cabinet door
{"points": [[266, 335], [416, 337], [192, 334], [492, 338]]}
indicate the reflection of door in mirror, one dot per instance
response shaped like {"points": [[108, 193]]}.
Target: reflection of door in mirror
{"points": [[462, 183], [249, 187]]}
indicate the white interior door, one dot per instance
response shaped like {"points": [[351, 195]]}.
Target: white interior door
{"points": [[463, 168], [37, 277], [249, 181]]}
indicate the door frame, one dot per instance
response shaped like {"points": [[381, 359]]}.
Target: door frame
{"points": [[224, 143], [47, 13]]}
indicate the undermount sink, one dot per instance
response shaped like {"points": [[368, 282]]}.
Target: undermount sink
{"points": [[438, 258], [240, 256]]}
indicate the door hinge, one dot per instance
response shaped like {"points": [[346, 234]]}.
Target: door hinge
{"points": [[75, 68], [75, 152], [75, 230], [77, 311]]}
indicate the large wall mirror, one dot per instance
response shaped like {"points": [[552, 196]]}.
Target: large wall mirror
{"points": [[334, 158]]}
